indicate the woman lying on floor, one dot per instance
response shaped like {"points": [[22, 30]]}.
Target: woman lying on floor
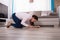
{"points": [[23, 19]]}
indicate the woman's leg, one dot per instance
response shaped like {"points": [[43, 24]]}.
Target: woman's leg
{"points": [[17, 22]]}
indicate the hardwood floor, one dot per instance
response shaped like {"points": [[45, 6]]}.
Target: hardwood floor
{"points": [[43, 33]]}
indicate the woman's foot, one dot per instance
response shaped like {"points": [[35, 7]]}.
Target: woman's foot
{"points": [[8, 24]]}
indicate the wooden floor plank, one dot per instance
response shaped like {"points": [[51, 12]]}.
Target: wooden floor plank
{"points": [[43, 33]]}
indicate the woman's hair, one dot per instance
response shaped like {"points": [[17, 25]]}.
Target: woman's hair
{"points": [[35, 17]]}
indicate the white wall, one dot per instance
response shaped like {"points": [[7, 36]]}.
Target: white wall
{"points": [[9, 8], [37, 5], [24, 5]]}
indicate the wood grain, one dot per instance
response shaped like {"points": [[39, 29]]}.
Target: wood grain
{"points": [[43, 33]]}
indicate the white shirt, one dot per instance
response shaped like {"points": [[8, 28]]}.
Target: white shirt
{"points": [[24, 16]]}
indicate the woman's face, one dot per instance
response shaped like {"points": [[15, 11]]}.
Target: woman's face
{"points": [[33, 20]]}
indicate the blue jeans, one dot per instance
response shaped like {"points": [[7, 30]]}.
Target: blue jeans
{"points": [[17, 22]]}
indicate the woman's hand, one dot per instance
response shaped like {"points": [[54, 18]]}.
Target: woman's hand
{"points": [[36, 26], [31, 26]]}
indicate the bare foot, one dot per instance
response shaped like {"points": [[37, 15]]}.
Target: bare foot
{"points": [[8, 24]]}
